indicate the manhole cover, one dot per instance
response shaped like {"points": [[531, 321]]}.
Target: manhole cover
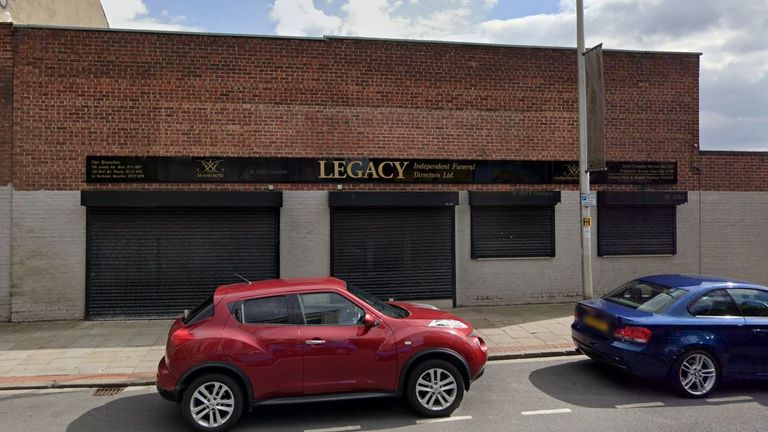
{"points": [[107, 391]]}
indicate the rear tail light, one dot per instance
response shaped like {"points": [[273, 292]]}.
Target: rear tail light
{"points": [[181, 336], [633, 334]]}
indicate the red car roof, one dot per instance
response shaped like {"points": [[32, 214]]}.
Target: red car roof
{"points": [[277, 286]]}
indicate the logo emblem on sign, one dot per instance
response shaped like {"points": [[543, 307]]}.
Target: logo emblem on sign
{"points": [[210, 168]]}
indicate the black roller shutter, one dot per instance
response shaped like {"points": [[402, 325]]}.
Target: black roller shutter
{"points": [[156, 262], [401, 253], [636, 230], [511, 232]]}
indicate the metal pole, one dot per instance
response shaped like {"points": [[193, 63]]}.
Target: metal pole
{"points": [[586, 219]]}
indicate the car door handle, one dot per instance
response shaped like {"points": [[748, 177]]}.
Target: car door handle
{"points": [[314, 342]]}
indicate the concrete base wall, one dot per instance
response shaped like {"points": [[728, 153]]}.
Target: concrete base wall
{"points": [[48, 256], [42, 251], [610, 272], [6, 193], [734, 234], [509, 281], [305, 235]]}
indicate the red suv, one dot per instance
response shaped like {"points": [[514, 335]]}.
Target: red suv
{"points": [[313, 339]]}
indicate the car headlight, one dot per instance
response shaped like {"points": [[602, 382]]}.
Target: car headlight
{"points": [[448, 323]]}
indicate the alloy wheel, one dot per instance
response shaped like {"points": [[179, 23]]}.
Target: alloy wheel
{"points": [[698, 374], [436, 389], [212, 404]]}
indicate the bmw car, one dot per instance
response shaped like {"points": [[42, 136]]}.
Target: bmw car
{"points": [[283, 341], [695, 331]]}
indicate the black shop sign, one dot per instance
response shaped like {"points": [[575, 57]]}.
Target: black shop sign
{"points": [[150, 169]]}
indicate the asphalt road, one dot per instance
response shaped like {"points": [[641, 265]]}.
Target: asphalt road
{"points": [[571, 395]]}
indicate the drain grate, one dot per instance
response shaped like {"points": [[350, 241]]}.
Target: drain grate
{"points": [[107, 391]]}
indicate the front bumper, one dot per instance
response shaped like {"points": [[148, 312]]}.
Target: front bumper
{"points": [[638, 359]]}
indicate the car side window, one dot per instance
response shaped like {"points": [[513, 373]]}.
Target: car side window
{"points": [[752, 302], [330, 309], [714, 303], [265, 311]]}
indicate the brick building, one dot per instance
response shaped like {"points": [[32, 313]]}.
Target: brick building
{"points": [[141, 169]]}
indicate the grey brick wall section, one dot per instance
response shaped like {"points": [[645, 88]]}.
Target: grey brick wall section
{"points": [[558, 279], [610, 272], [48, 256], [305, 235], [734, 234], [511, 281], [5, 252]]}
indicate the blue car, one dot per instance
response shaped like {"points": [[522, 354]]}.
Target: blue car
{"points": [[693, 330]]}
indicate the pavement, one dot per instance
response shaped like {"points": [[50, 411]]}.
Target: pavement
{"points": [[59, 354]]}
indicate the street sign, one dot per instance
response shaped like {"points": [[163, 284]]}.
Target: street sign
{"points": [[589, 199]]}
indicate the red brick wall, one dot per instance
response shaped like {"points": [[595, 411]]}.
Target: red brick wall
{"points": [[6, 102], [129, 93], [734, 171]]}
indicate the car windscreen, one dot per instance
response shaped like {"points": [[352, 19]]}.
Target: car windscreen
{"points": [[645, 296], [371, 300]]}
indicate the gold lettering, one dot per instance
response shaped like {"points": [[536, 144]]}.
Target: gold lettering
{"points": [[323, 175], [400, 169], [370, 172], [338, 169], [381, 170], [355, 173]]}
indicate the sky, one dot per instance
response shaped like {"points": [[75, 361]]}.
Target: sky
{"points": [[731, 35]]}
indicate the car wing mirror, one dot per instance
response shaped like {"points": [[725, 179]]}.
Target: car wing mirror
{"points": [[370, 321]]}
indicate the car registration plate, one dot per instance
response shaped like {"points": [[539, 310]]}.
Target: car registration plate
{"points": [[596, 323]]}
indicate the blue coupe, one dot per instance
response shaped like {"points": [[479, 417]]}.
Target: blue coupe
{"points": [[693, 330]]}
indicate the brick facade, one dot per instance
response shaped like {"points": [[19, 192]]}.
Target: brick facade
{"points": [[6, 102], [80, 92]]}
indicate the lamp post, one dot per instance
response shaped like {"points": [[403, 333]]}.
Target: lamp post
{"points": [[586, 218]]}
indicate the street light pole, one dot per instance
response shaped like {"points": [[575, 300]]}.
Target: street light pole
{"points": [[586, 219]]}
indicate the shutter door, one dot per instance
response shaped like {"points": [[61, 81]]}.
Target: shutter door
{"points": [[499, 232], [156, 262], [636, 230], [406, 254]]}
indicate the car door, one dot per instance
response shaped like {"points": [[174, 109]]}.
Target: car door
{"points": [[263, 340], [720, 323], [340, 353], [754, 306]]}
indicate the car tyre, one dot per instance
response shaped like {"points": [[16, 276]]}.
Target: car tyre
{"points": [[213, 403], [435, 388], [696, 374]]}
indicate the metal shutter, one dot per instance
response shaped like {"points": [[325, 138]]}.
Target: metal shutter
{"points": [[406, 254], [156, 262], [501, 232], [636, 230]]}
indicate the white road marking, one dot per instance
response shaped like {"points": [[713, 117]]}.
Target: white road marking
{"points": [[334, 429], [551, 411], [538, 359], [729, 399], [641, 405], [446, 419]]}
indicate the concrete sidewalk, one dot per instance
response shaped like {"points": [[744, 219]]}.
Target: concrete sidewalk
{"points": [[92, 353]]}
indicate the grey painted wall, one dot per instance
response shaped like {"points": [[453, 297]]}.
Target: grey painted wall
{"points": [[509, 281], [734, 233], [558, 279], [305, 235], [6, 193], [48, 256], [610, 272]]}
